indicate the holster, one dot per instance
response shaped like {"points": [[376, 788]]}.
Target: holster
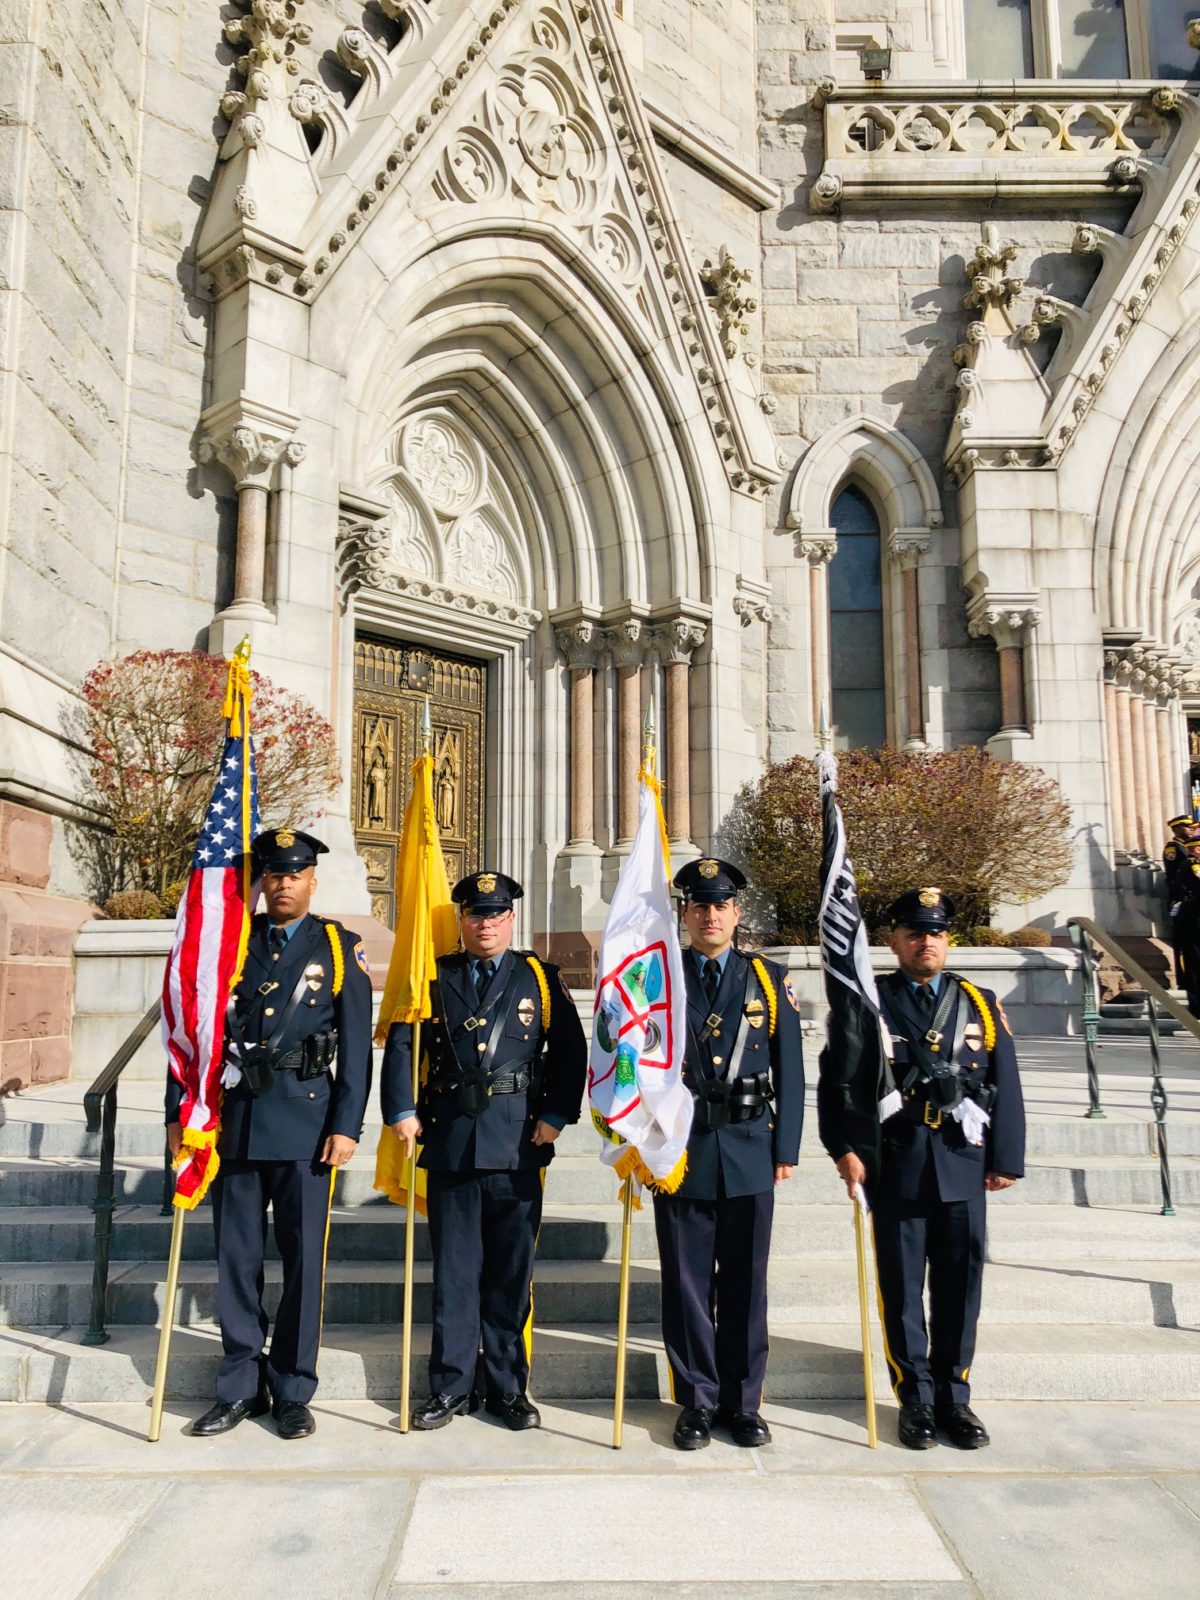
{"points": [[257, 1072], [721, 1101], [320, 1053]]}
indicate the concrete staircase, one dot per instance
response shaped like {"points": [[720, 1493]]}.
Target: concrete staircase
{"points": [[1090, 1295]]}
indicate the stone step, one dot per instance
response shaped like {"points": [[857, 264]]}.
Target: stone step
{"points": [[36, 1294], [588, 1233], [141, 1140], [809, 1361], [582, 1180]]}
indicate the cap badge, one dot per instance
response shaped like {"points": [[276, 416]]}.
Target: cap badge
{"points": [[930, 898], [485, 882], [285, 838], [707, 869]]}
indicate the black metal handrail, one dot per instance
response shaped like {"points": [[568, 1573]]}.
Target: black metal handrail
{"points": [[1084, 934], [100, 1109]]}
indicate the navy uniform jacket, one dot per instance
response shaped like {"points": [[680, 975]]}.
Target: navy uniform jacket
{"points": [[292, 1120], [740, 1158], [499, 1138], [907, 1142], [1183, 881]]}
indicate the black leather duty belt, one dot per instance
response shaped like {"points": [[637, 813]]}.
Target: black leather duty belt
{"points": [[509, 1083], [293, 1061]]}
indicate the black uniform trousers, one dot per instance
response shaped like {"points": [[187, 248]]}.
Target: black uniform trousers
{"points": [[299, 1194], [483, 1228], [714, 1297], [929, 1365]]}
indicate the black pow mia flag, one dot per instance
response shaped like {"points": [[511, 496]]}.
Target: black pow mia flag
{"points": [[856, 1073]]}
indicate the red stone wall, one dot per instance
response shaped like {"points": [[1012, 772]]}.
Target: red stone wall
{"points": [[37, 936]]}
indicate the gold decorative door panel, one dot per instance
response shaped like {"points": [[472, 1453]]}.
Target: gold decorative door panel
{"points": [[391, 682]]}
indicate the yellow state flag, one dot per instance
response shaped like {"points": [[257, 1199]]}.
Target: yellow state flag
{"points": [[426, 928]]}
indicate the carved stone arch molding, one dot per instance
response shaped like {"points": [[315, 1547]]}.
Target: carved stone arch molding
{"points": [[882, 458], [1148, 517]]}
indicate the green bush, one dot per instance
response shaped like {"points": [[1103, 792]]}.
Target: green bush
{"points": [[134, 904]]}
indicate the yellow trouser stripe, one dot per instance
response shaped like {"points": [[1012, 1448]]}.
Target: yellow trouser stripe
{"points": [[527, 1330], [897, 1375], [333, 1172]]}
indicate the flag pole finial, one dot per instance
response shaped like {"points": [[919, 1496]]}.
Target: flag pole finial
{"points": [[823, 738], [242, 653], [648, 735], [426, 728]]}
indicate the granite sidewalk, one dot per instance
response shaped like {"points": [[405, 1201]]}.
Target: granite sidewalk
{"points": [[1100, 1502]]}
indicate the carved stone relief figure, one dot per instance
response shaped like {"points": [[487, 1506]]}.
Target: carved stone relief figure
{"points": [[376, 775], [446, 783]]}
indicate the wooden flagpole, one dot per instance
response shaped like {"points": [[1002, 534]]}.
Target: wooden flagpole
{"points": [[865, 1319], [627, 1188], [167, 1327], [410, 1198]]}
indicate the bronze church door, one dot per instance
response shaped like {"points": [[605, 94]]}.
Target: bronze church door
{"points": [[391, 682]]}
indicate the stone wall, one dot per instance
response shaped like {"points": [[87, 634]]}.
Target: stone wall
{"points": [[37, 934]]}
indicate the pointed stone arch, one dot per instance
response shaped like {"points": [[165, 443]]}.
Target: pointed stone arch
{"points": [[880, 457], [484, 240]]}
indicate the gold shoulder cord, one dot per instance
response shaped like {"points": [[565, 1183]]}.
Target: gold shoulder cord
{"points": [[539, 973], [339, 960], [985, 1012], [769, 991]]}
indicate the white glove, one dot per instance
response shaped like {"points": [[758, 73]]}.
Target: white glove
{"points": [[972, 1119]]}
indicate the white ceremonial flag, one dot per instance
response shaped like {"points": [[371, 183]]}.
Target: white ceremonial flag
{"points": [[635, 1079]]}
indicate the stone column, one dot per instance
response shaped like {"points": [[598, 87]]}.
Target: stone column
{"points": [[1125, 753], [252, 442], [1137, 750], [906, 549], [1171, 677], [1009, 621], [1156, 813], [627, 645], [818, 550], [579, 642], [675, 641], [1116, 808]]}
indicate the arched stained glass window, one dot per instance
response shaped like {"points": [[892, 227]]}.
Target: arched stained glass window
{"points": [[856, 667]]}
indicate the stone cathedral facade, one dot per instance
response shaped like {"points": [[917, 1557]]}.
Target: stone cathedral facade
{"points": [[781, 363]]}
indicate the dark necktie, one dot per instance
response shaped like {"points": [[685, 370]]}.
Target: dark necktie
{"points": [[924, 999], [712, 979], [278, 942], [483, 976]]}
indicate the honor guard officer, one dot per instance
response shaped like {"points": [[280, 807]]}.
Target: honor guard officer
{"points": [[1181, 863], [507, 1062], [298, 1077], [960, 1132], [744, 1066]]}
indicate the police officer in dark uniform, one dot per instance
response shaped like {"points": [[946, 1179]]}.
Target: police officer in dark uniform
{"points": [[1181, 863], [298, 1077], [507, 1061], [744, 1066], [960, 1132]]}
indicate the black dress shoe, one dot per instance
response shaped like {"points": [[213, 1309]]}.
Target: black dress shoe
{"points": [[963, 1427], [517, 1410], [294, 1420], [917, 1431], [439, 1408], [224, 1416], [747, 1427], [691, 1428]]}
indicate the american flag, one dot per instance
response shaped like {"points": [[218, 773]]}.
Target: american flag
{"points": [[211, 930]]}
